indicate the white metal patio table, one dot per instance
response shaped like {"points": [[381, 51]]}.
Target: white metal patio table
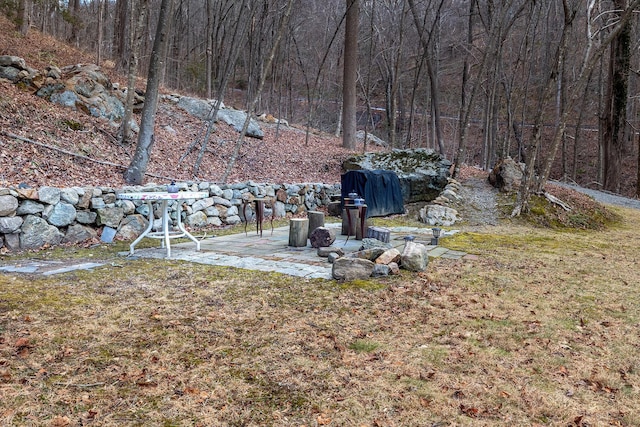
{"points": [[166, 234]]}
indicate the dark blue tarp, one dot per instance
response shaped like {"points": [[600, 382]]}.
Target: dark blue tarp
{"points": [[379, 188]]}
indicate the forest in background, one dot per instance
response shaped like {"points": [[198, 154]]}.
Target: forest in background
{"points": [[552, 83]]}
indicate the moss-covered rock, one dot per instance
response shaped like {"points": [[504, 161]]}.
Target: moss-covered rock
{"points": [[422, 172]]}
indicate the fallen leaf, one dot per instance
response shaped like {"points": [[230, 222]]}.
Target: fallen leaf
{"points": [[469, 411], [323, 420], [21, 342], [59, 421]]}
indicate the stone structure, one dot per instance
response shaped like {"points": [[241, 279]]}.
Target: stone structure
{"points": [[441, 211], [48, 216]]}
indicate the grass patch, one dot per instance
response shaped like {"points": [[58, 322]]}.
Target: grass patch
{"points": [[364, 346], [542, 327]]}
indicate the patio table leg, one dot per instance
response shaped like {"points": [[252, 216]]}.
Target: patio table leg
{"points": [[145, 232]]}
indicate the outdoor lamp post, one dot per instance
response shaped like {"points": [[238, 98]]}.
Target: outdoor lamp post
{"points": [[436, 235]]}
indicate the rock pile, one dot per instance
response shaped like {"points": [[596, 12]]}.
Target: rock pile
{"points": [[84, 87], [440, 212], [375, 259]]}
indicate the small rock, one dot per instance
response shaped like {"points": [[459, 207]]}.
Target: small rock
{"points": [[332, 257], [351, 269], [381, 270], [325, 251], [389, 256]]}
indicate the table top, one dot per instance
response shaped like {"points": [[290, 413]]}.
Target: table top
{"points": [[163, 195]]}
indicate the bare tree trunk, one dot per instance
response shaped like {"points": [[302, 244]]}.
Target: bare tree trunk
{"points": [[100, 30], [338, 126], [577, 131], [638, 169], [350, 71], [136, 170], [24, 16], [433, 76], [238, 35], [76, 21], [138, 9], [209, 52], [120, 33], [616, 104]]}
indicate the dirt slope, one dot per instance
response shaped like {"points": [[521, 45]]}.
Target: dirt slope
{"points": [[282, 156]]}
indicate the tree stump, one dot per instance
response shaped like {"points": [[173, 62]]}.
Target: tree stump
{"points": [[322, 237], [298, 232], [379, 233], [316, 219]]}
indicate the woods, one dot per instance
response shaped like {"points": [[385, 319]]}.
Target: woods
{"points": [[551, 83]]}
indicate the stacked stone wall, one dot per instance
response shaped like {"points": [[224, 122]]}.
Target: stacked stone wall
{"points": [[49, 216]]}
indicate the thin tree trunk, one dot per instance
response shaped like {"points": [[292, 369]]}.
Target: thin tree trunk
{"points": [[238, 35], [101, 15], [134, 49], [638, 169], [433, 76], [350, 79], [138, 167], [24, 16]]}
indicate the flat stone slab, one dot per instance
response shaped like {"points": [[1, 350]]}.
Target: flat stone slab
{"points": [[269, 253], [48, 268]]}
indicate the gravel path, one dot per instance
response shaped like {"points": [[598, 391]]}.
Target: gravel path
{"points": [[480, 205], [603, 196]]}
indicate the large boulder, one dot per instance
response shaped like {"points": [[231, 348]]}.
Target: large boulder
{"points": [[438, 215], [506, 175], [201, 109], [84, 87], [415, 257], [422, 172]]}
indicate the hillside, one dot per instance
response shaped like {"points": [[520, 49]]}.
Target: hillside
{"points": [[282, 159]]}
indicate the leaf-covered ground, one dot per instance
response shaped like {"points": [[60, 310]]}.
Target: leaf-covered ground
{"points": [[285, 155], [541, 328]]}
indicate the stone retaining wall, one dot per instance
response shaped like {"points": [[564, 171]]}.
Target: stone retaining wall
{"points": [[48, 216]]}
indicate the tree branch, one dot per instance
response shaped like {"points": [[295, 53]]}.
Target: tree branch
{"points": [[69, 153]]}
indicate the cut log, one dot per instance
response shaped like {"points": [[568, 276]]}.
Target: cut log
{"points": [[298, 232], [322, 237], [316, 219], [379, 233]]}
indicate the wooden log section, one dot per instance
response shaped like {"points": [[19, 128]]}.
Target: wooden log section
{"points": [[298, 232], [316, 219]]}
